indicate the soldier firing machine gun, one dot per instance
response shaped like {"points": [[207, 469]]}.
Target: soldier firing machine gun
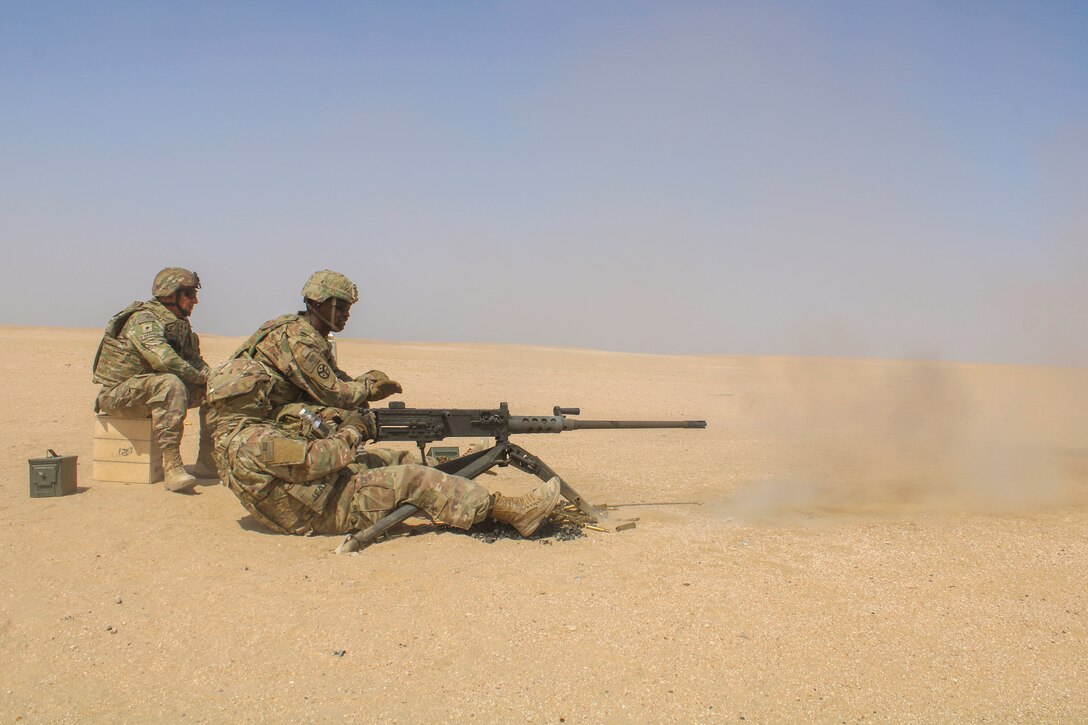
{"points": [[427, 425]]}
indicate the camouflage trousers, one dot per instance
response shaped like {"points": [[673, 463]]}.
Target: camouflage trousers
{"points": [[385, 479], [162, 396]]}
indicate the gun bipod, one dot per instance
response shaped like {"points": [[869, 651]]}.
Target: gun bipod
{"points": [[503, 453]]}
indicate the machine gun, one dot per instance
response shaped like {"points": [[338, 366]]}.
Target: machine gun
{"points": [[427, 425]]}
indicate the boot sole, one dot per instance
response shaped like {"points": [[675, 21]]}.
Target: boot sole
{"points": [[176, 488]]}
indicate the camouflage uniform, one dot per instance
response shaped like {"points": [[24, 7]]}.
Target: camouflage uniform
{"points": [[294, 482], [300, 359], [149, 362], [302, 365], [295, 485]]}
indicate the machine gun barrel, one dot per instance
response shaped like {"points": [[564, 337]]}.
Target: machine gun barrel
{"points": [[560, 423], [599, 424]]}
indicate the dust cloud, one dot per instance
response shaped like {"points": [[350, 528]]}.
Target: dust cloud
{"points": [[881, 438]]}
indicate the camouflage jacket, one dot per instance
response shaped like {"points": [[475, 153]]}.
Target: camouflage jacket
{"points": [[302, 365], [285, 481], [146, 337]]}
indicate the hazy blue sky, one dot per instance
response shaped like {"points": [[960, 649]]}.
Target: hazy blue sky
{"points": [[860, 178]]}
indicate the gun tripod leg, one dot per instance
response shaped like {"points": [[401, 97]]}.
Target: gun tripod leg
{"points": [[526, 461], [466, 467], [354, 542]]}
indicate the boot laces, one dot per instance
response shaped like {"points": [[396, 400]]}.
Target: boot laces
{"points": [[523, 503]]}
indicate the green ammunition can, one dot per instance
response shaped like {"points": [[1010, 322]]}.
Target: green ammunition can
{"points": [[443, 453], [52, 476]]}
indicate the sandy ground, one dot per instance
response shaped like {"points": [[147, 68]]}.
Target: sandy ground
{"points": [[873, 541]]}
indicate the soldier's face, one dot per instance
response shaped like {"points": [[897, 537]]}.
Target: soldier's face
{"points": [[187, 300], [340, 317]]}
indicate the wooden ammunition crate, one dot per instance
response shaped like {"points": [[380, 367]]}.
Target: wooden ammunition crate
{"points": [[125, 450]]}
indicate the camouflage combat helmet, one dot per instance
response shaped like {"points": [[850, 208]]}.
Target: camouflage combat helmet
{"points": [[171, 279], [326, 283]]}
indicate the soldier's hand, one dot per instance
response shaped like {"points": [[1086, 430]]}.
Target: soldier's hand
{"points": [[379, 386], [383, 389], [363, 421], [372, 376]]}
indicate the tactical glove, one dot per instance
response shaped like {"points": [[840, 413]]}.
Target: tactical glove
{"points": [[363, 421], [379, 386]]}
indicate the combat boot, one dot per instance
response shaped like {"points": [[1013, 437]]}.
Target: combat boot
{"points": [[176, 479], [205, 458], [526, 512]]}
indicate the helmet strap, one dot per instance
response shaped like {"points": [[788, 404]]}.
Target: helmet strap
{"points": [[316, 310], [171, 303]]}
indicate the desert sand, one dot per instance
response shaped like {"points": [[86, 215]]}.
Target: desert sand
{"points": [[848, 540]]}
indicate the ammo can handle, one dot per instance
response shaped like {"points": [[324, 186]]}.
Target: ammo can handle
{"points": [[52, 453]]}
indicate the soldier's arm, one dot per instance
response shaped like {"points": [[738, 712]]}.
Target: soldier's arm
{"points": [[313, 372], [149, 338], [299, 461], [198, 362]]}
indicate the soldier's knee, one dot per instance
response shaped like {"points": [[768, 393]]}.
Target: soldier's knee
{"points": [[460, 503], [170, 385]]}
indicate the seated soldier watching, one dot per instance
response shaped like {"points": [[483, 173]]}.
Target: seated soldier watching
{"points": [[149, 363]]}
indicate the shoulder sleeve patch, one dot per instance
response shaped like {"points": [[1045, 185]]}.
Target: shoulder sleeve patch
{"points": [[316, 366], [310, 359], [143, 327]]}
